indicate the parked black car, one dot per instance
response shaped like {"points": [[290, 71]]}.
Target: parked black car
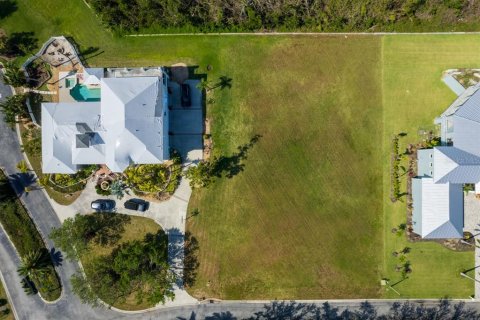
{"points": [[186, 98], [103, 205], [137, 205]]}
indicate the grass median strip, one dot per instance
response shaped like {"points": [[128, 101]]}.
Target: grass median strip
{"points": [[28, 242]]}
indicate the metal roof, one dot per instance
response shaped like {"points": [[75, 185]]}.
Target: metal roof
{"points": [[59, 130], [455, 166], [437, 209], [453, 84], [128, 125]]}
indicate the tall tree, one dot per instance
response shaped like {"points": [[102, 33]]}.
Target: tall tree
{"points": [[33, 264], [14, 106], [14, 76]]}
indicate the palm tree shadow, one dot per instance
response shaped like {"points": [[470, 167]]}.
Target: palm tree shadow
{"points": [[232, 165], [227, 315], [223, 83], [20, 181], [57, 257]]}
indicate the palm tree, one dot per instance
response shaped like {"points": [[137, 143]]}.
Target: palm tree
{"points": [[14, 76], [22, 166], [33, 263], [14, 106]]}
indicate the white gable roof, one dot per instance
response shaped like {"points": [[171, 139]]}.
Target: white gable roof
{"points": [[132, 113]]}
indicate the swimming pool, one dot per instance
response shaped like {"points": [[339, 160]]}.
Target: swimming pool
{"points": [[82, 93]]}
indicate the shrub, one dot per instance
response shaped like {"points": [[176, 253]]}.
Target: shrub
{"points": [[32, 142], [102, 192], [147, 177]]}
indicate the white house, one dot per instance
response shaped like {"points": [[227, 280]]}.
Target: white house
{"points": [[127, 124]]}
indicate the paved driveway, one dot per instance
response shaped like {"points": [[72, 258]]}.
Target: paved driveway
{"points": [[186, 124]]}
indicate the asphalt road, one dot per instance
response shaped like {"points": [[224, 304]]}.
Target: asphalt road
{"points": [[69, 306]]}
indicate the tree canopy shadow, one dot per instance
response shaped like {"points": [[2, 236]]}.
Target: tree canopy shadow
{"points": [[230, 166], [20, 43], [190, 260], [224, 315], [7, 7], [292, 310], [193, 316], [176, 253], [84, 54], [183, 247]]}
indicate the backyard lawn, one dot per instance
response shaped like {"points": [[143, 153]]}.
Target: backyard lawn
{"points": [[307, 214]]}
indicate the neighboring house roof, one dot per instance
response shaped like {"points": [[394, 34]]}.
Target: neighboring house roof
{"points": [[465, 134], [437, 209], [425, 162], [463, 99], [455, 166], [128, 125], [453, 84]]}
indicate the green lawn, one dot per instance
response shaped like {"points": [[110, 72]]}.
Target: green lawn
{"points": [[304, 218], [309, 217]]}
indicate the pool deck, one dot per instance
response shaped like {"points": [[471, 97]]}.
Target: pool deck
{"points": [[57, 82], [64, 92]]}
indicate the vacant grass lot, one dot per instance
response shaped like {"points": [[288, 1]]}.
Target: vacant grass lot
{"points": [[413, 96], [305, 217]]}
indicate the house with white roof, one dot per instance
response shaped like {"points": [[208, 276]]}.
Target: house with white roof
{"points": [[437, 190], [125, 123]]}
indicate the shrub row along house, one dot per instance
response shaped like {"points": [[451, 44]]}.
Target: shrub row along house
{"points": [[113, 116], [438, 202]]}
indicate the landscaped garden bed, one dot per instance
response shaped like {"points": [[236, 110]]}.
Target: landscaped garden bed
{"points": [[154, 181], [28, 242], [39, 73]]}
